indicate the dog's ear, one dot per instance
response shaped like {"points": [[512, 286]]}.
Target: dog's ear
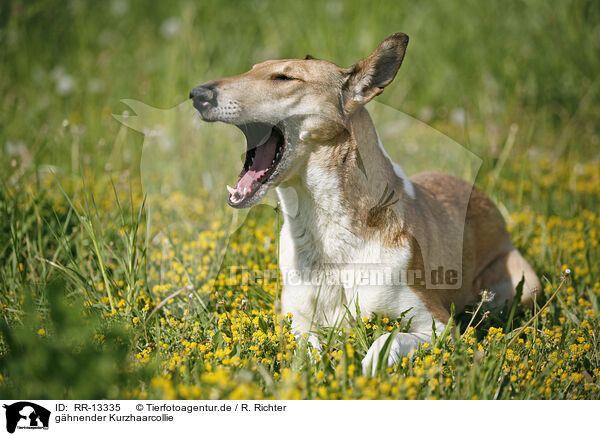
{"points": [[367, 78]]}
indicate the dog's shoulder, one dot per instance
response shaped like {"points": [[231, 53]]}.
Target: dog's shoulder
{"points": [[441, 183], [454, 192]]}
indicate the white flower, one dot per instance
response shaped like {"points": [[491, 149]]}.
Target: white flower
{"points": [[14, 148], [458, 116], [119, 7], [487, 296], [170, 27], [65, 83]]}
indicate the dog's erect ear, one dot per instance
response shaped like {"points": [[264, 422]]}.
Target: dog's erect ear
{"points": [[367, 78]]}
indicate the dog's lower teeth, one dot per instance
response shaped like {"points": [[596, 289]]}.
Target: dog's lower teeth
{"points": [[230, 189]]}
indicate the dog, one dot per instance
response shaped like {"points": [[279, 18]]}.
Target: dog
{"points": [[348, 208]]}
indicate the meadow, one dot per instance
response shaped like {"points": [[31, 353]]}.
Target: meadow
{"points": [[123, 274]]}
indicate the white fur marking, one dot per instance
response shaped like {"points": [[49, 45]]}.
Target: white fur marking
{"points": [[304, 135]]}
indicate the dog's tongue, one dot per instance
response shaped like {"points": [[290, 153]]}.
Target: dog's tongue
{"points": [[263, 158]]}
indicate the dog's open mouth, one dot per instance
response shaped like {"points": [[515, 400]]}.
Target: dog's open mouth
{"points": [[265, 145]]}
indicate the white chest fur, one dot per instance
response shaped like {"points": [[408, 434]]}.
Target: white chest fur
{"points": [[327, 269]]}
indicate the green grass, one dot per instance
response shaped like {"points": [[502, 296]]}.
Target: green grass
{"points": [[100, 224]]}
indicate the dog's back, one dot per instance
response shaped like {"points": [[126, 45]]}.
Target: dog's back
{"points": [[472, 227]]}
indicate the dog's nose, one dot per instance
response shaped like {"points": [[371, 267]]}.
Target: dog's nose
{"points": [[202, 93], [203, 96]]}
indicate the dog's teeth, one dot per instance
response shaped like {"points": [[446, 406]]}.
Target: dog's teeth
{"points": [[230, 189]]}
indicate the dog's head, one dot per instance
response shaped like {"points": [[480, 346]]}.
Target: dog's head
{"points": [[287, 107]]}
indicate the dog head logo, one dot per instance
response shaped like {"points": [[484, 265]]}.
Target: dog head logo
{"points": [[26, 415]]}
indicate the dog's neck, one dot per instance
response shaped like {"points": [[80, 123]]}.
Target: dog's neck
{"points": [[330, 203]]}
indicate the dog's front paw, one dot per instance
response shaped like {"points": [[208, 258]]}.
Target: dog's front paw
{"points": [[312, 344], [401, 345], [370, 363], [314, 341]]}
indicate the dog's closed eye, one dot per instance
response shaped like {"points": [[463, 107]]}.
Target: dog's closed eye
{"points": [[282, 77]]}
